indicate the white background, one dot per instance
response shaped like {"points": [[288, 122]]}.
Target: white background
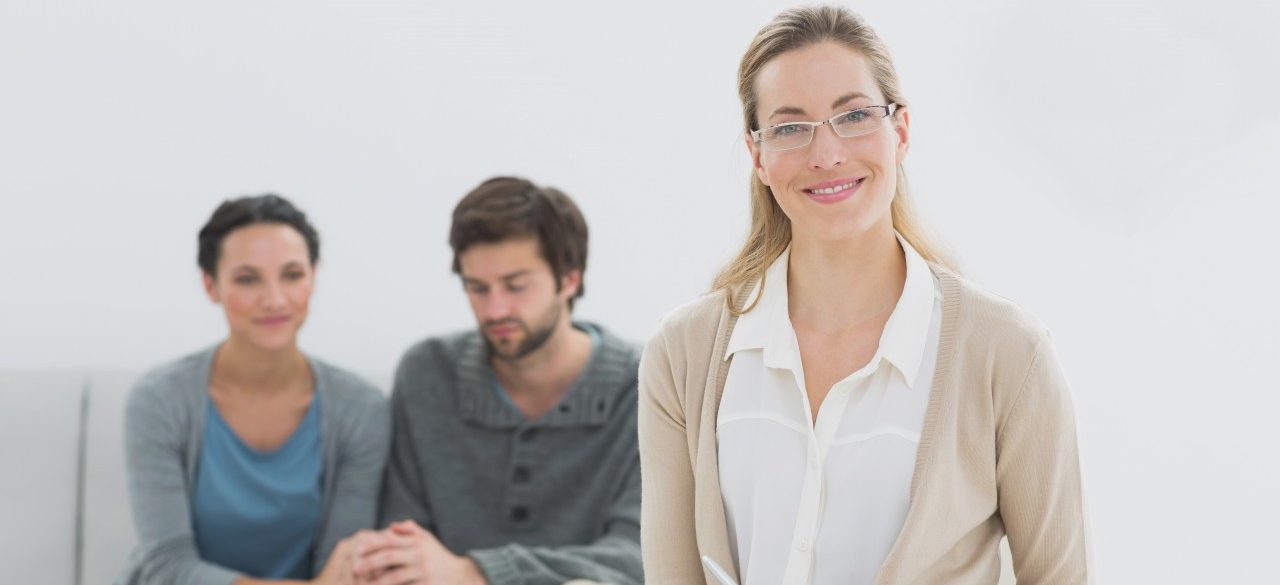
{"points": [[1110, 166]]}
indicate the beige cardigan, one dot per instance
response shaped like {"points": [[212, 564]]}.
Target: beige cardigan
{"points": [[997, 451]]}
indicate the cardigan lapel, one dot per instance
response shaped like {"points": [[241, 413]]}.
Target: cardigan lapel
{"points": [[713, 530], [941, 398]]}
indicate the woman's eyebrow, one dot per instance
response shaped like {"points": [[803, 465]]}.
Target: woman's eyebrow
{"points": [[840, 101], [786, 110], [848, 97]]}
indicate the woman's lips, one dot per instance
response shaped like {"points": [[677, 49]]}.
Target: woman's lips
{"points": [[834, 191], [272, 321]]}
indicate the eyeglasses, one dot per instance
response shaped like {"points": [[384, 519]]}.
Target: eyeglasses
{"points": [[848, 124]]}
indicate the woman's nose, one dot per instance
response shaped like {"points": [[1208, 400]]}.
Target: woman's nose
{"points": [[827, 150]]}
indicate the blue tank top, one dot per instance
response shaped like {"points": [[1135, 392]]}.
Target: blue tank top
{"points": [[258, 512]]}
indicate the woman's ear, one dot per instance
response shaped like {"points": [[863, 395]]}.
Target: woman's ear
{"points": [[901, 126], [210, 287], [754, 150]]}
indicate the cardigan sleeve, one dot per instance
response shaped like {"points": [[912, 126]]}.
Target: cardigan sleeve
{"points": [[361, 457], [1038, 478], [155, 433], [404, 494], [667, 535]]}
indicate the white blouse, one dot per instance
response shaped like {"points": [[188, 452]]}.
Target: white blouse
{"points": [[821, 504]]}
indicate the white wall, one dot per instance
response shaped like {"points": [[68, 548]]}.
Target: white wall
{"points": [[1111, 166]]}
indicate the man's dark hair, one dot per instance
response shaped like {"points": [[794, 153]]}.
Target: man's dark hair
{"points": [[234, 214], [502, 208]]}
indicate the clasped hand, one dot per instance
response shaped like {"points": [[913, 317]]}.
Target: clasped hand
{"points": [[402, 554]]}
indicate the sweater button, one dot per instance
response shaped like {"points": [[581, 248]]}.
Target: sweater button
{"points": [[519, 514], [520, 475]]}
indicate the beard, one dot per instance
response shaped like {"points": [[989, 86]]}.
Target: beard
{"points": [[534, 337]]}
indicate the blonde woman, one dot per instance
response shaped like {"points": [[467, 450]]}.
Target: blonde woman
{"points": [[844, 408]]}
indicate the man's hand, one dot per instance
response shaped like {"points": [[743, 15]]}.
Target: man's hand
{"points": [[407, 554]]}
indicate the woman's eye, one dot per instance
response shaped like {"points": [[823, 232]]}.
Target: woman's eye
{"points": [[294, 275], [246, 279], [854, 116], [787, 129]]}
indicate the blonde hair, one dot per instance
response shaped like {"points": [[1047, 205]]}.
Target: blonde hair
{"points": [[770, 232]]}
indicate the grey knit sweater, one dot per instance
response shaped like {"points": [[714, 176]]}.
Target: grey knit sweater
{"points": [[164, 425], [532, 502]]}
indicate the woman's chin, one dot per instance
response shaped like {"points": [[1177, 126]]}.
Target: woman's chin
{"points": [[832, 230], [272, 342]]}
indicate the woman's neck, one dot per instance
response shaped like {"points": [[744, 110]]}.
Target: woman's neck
{"points": [[243, 368], [836, 285]]}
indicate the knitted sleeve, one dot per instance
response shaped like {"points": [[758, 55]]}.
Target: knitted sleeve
{"points": [[667, 510], [1038, 478], [155, 438], [358, 466]]}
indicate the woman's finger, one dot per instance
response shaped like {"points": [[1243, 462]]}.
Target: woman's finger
{"points": [[383, 540], [405, 575], [385, 559]]}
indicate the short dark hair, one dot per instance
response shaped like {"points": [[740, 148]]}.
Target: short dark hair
{"points": [[234, 214], [502, 208]]}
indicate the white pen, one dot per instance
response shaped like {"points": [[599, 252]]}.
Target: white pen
{"points": [[717, 571]]}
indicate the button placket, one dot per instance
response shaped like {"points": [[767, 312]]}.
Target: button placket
{"points": [[831, 415], [801, 562], [813, 492], [520, 476]]}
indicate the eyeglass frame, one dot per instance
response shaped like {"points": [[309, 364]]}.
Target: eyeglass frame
{"points": [[890, 109]]}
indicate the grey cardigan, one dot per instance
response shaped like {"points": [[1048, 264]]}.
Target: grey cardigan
{"points": [[164, 426]]}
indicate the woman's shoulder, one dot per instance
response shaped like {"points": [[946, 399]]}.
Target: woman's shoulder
{"points": [[355, 410], [1003, 347], [983, 313], [346, 386], [687, 336], [343, 380], [695, 318], [992, 338], [167, 396], [185, 376]]}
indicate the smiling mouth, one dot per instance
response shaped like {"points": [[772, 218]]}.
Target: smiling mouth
{"points": [[832, 190]]}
